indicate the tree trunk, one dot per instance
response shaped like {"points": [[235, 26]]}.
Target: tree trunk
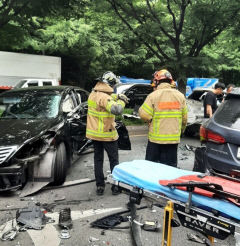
{"points": [[181, 86]]}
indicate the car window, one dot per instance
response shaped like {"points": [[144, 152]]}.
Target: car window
{"points": [[32, 83], [198, 95], [84, 96], [228, 114], [45, 83], [140, 90], [29, 105]]}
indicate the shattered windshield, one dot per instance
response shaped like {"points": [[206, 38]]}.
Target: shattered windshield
{"points": [[29, 105]]}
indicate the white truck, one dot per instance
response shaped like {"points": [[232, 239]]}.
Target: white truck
{"points": [[23, 70]]}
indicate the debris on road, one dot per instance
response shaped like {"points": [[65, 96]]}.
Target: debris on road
{"points": [[92, 239], [70, 183], [190, 147], [151, 226], [60, 199], [9, 230], [65, 219], [31, 217], [64, 234], [111, 221], [10, 234], [198, 239]]}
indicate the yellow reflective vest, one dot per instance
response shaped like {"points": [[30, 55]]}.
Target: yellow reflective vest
{"points": [[166, 111], [100, 121]]}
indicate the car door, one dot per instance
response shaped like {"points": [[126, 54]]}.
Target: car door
{"points": [[77, 119]]}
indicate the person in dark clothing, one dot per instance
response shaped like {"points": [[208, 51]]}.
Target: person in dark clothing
{"points": [[229, 88], [210, 100]]}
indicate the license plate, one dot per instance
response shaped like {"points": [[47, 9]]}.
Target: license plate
{"points": [[238, 153]]}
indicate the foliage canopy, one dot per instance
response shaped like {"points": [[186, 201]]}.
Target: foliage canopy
{"points": [[192, 38]]}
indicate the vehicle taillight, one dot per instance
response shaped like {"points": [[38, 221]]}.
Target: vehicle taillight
{"points": [[207, 135], [202, 134]]}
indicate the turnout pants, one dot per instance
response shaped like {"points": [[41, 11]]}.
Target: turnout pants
{"points": [[163, 153], [112, 152]]}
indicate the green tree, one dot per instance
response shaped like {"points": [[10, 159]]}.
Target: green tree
{"points": [[175, 32], [225, 56], [17, 17]]}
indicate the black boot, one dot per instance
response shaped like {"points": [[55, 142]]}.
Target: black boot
{"points": [[65, 219], [115, 190], [100, 190]]}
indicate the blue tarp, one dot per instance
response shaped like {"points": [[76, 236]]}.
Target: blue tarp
{"points": [[201, 82], [125, 79], [193, 83]]}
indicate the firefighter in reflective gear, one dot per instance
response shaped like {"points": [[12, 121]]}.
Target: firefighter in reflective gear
{"points": [[103, 105], [166, 112]]}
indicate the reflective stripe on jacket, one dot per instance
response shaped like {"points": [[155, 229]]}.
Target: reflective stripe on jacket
{"points": [[166, 111], [100, 120]]}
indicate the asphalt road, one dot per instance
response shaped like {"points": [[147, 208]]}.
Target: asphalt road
{"points": [[86, 206]]}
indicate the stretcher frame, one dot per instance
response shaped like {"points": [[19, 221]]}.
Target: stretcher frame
{"points": [[208, 223]]}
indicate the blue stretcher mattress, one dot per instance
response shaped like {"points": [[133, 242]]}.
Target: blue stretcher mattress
{"points": [[146, 174]]}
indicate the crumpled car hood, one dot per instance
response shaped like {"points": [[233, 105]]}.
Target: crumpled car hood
{"points": [[16, 132]]}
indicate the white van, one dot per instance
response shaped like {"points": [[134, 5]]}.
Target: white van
{"points": [[36, 82]]}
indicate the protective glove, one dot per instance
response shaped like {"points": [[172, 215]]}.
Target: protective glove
{"points": [[123, 98], [114, 96]]}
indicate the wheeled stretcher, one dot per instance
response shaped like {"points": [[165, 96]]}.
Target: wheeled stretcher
{"points": [[211, 215]]}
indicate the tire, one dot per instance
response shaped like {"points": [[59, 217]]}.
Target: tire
{"points": [[60, 164]]}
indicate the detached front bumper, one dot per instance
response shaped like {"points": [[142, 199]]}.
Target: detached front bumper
{"points": [[11, 177]]}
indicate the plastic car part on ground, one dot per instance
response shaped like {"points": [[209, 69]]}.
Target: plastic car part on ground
{"points": [[32, 217]]}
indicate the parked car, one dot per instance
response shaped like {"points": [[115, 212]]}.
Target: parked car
{"points": [[36, 82], [41, 130], [196, 111], [221, 136], [137, 93]]}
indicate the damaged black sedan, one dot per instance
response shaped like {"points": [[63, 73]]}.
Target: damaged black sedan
{"points": [[41, 128]]}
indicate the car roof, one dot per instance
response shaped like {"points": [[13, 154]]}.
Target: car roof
{"points": [[122, 84], [60, 88], [234, 93]]}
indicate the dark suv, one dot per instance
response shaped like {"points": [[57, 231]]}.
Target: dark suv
{"points": [[221, 136]]}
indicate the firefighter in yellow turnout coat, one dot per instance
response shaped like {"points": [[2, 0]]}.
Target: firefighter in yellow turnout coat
{"points": [[103, 105], [166, 112]]}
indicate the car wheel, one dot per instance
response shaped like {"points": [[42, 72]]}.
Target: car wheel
{"points": [[60, 164]]}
